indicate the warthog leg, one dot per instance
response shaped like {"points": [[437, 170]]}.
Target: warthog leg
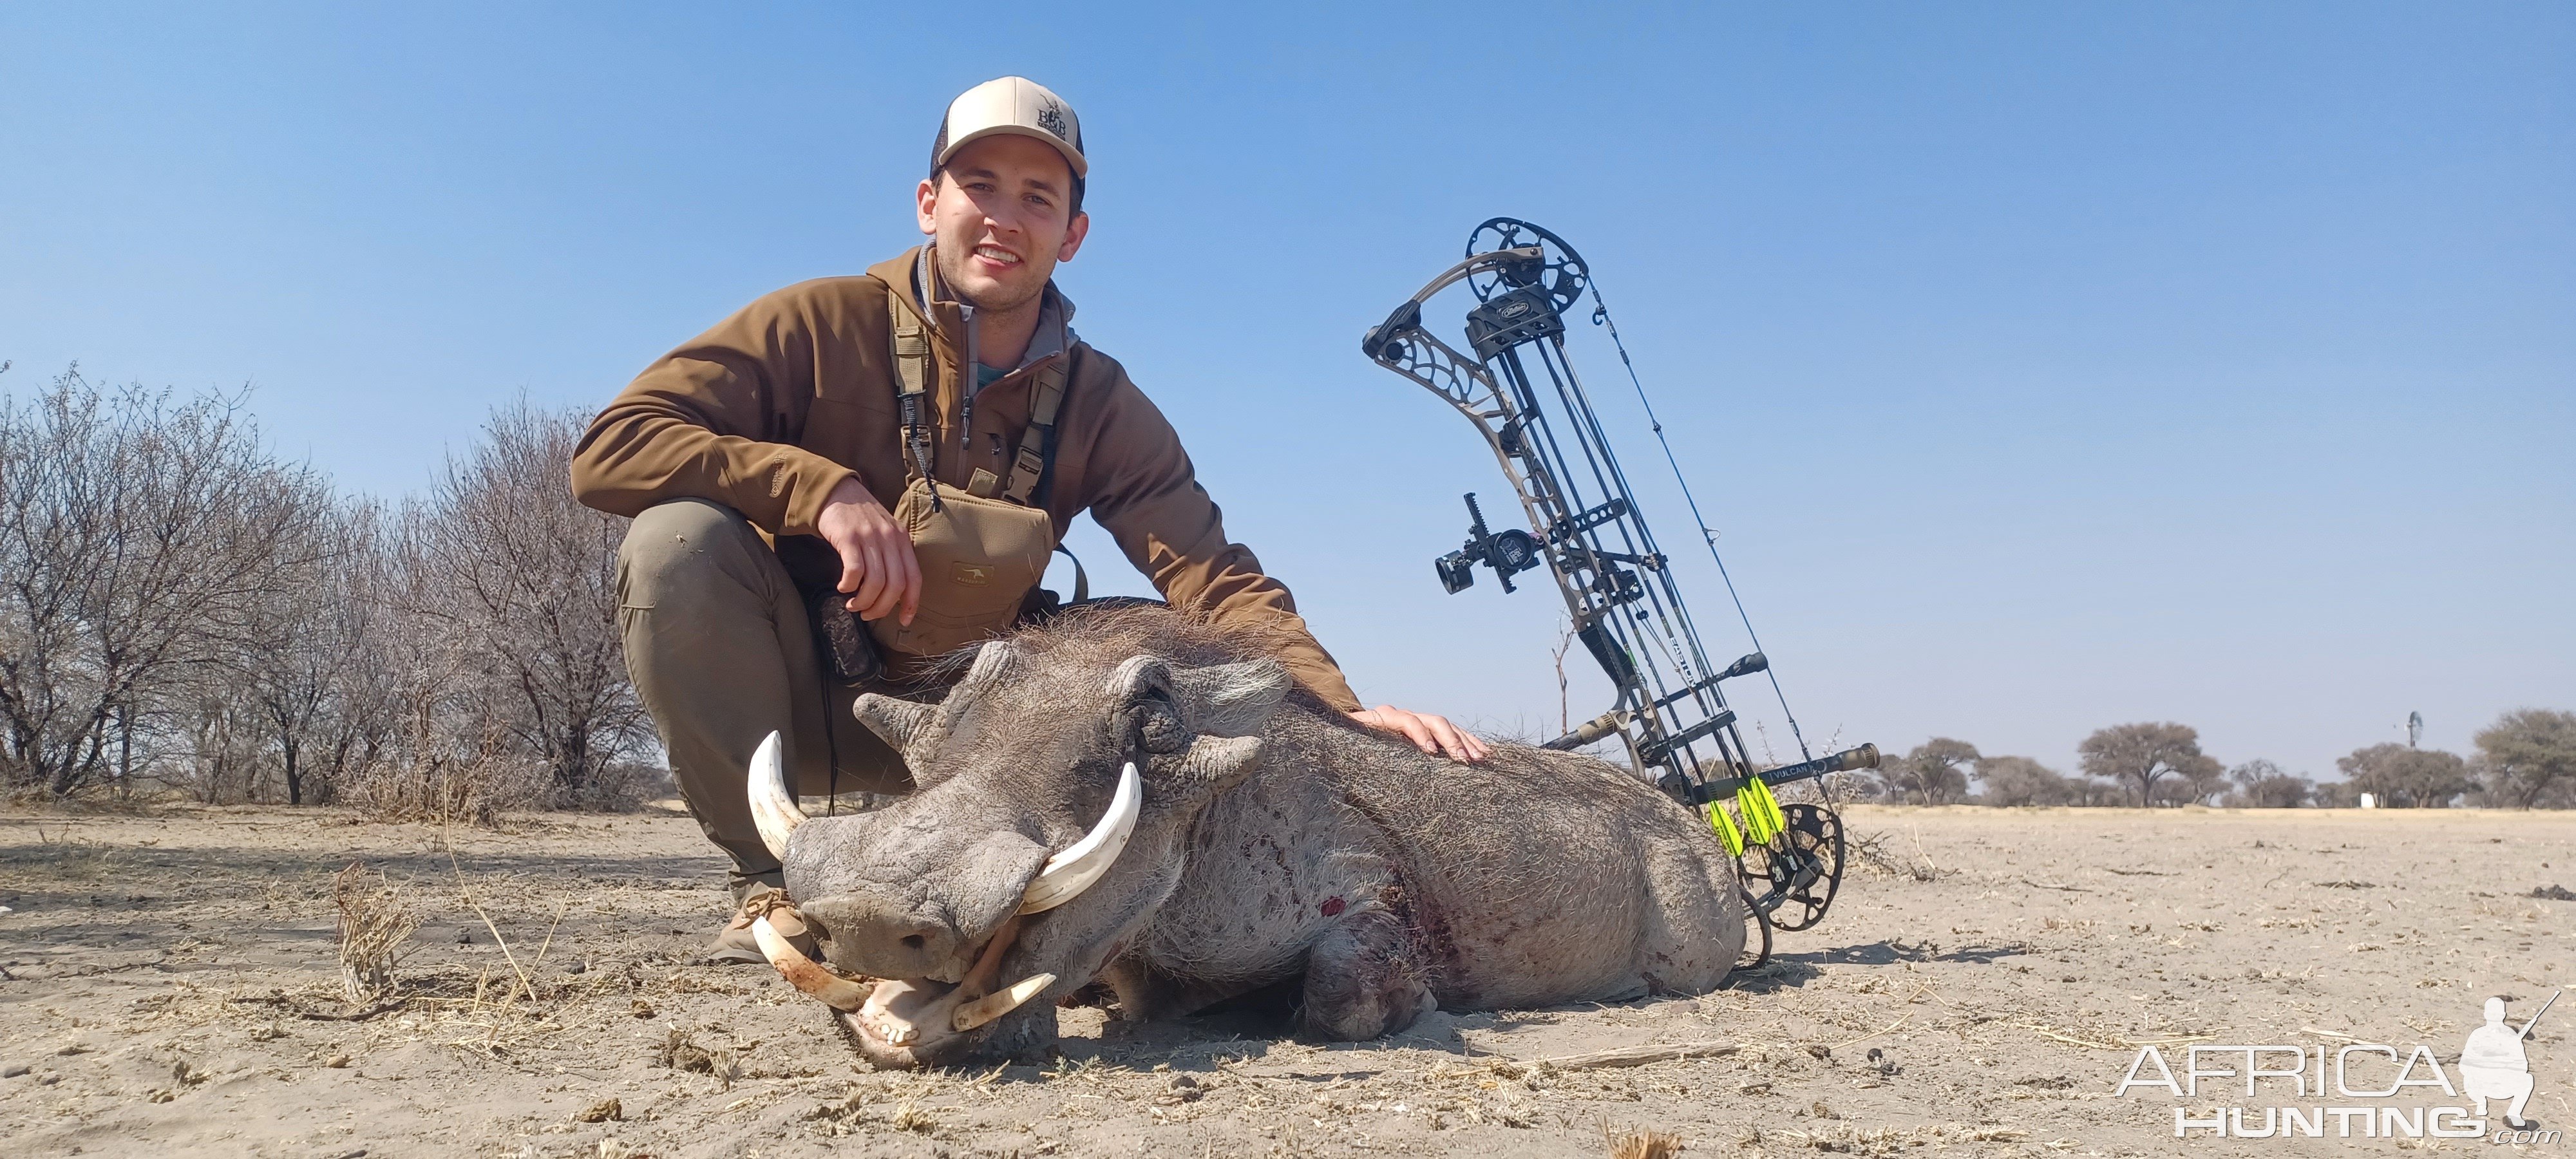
{"points": [[1365, 979]]}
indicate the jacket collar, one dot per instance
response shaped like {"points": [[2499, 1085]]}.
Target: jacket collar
{"points": [[915, 278]]}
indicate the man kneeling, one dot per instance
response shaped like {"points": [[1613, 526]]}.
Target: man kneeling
{"points": [[907, 446]]}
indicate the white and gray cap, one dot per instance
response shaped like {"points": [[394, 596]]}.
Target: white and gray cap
{"points": [[1012, 104]]}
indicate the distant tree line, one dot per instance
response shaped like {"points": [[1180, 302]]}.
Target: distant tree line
{"points": [[183, 609], [2525, 760]]}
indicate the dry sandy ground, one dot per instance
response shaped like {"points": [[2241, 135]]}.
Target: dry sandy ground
{"points": [[169, 984]]}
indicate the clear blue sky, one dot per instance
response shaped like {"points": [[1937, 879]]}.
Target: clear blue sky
{"points": [[2045, 366]]}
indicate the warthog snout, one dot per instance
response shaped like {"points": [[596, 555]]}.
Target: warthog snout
{"points": [[931, 901], [883, 938], [1041, 831]]}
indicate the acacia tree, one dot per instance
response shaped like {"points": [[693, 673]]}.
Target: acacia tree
{"points": [[2011, 781], [137, 537], [2201, 784], [1933, 773], [2529, 755], [2260, 784], [2403, 777], [2138, 756]]}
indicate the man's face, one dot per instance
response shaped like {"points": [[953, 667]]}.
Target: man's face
{"points": [[999, 217]]}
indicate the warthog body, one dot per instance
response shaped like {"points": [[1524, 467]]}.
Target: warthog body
{"points": [[1276, 840]]}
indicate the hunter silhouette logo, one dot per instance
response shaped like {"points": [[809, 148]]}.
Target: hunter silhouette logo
{"points": [[2493, 1066], [2371, 1079]]}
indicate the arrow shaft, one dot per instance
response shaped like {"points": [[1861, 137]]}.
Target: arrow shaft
{"points": [[2535, 1016]]}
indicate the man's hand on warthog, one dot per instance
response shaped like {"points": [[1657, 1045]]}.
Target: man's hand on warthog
{"points": [[1432, 734], [877, 565]]}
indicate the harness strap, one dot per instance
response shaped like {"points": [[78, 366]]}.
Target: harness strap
{"points": [[912, 370], [1082, 582], [1037, 443]]}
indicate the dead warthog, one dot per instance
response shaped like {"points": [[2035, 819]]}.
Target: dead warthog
{"points": [[1134, 797]]}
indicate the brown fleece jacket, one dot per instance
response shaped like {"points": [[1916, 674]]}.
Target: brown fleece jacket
{"points": [[772, 408]]}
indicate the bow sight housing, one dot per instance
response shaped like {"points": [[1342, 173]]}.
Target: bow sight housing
{"points": [[1507, 553], [1670, 713]]}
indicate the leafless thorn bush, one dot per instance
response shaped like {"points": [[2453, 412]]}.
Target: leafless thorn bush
{"points": [[1871, 852], [184, 613], [377, 919], [450, 780]]}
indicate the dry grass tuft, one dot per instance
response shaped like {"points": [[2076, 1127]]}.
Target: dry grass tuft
{"points": [[908, 1117], [682, 1052], [376, 919], [61, 857], [1645, 1143]]}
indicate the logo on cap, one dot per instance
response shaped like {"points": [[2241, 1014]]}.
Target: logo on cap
{"points": [[1051, 119]]}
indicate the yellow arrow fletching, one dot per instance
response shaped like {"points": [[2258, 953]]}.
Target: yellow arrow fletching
{"points": [[1718, 820]]}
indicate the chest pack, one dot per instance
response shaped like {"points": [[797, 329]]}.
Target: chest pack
{"points": [[982, 549]]}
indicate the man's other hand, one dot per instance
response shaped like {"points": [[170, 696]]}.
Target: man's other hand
{"points": [[1432, 734], [878, 570]]}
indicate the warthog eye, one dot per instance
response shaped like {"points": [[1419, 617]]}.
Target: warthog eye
{"points": [[1159, 728]]}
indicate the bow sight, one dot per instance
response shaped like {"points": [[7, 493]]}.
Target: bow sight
{"points": [[1586, 529]]}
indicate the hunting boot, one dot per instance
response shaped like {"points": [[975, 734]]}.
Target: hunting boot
{"points": [[734, 944]]}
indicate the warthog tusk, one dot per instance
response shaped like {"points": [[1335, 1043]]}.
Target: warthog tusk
{"points": [[898, 1030], [773, 808], [979, 977], [800, 971], [995, 1005], [1069, 873]]}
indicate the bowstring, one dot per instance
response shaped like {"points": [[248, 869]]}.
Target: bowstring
{"points": [[1601, 317]]}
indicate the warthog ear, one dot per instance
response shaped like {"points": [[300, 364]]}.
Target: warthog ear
{"points": [[895, 721], [1230, 699]]}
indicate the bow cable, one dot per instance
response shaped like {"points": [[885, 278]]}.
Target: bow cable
{"points": [[1601, 317]]}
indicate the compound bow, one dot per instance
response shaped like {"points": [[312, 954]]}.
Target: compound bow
{"points": [[1586, 528]]}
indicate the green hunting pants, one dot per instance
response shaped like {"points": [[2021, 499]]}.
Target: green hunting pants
{"points": [[719, 645]]}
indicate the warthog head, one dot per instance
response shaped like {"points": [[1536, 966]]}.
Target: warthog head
{"points": [[1055, 786]]}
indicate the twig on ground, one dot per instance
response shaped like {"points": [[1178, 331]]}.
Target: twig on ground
{"points": [[1875, 1033], [548, 944], [2121, 1041], [525, 982], [2045, 1032], [358, 1016], [1633, 1055]]}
